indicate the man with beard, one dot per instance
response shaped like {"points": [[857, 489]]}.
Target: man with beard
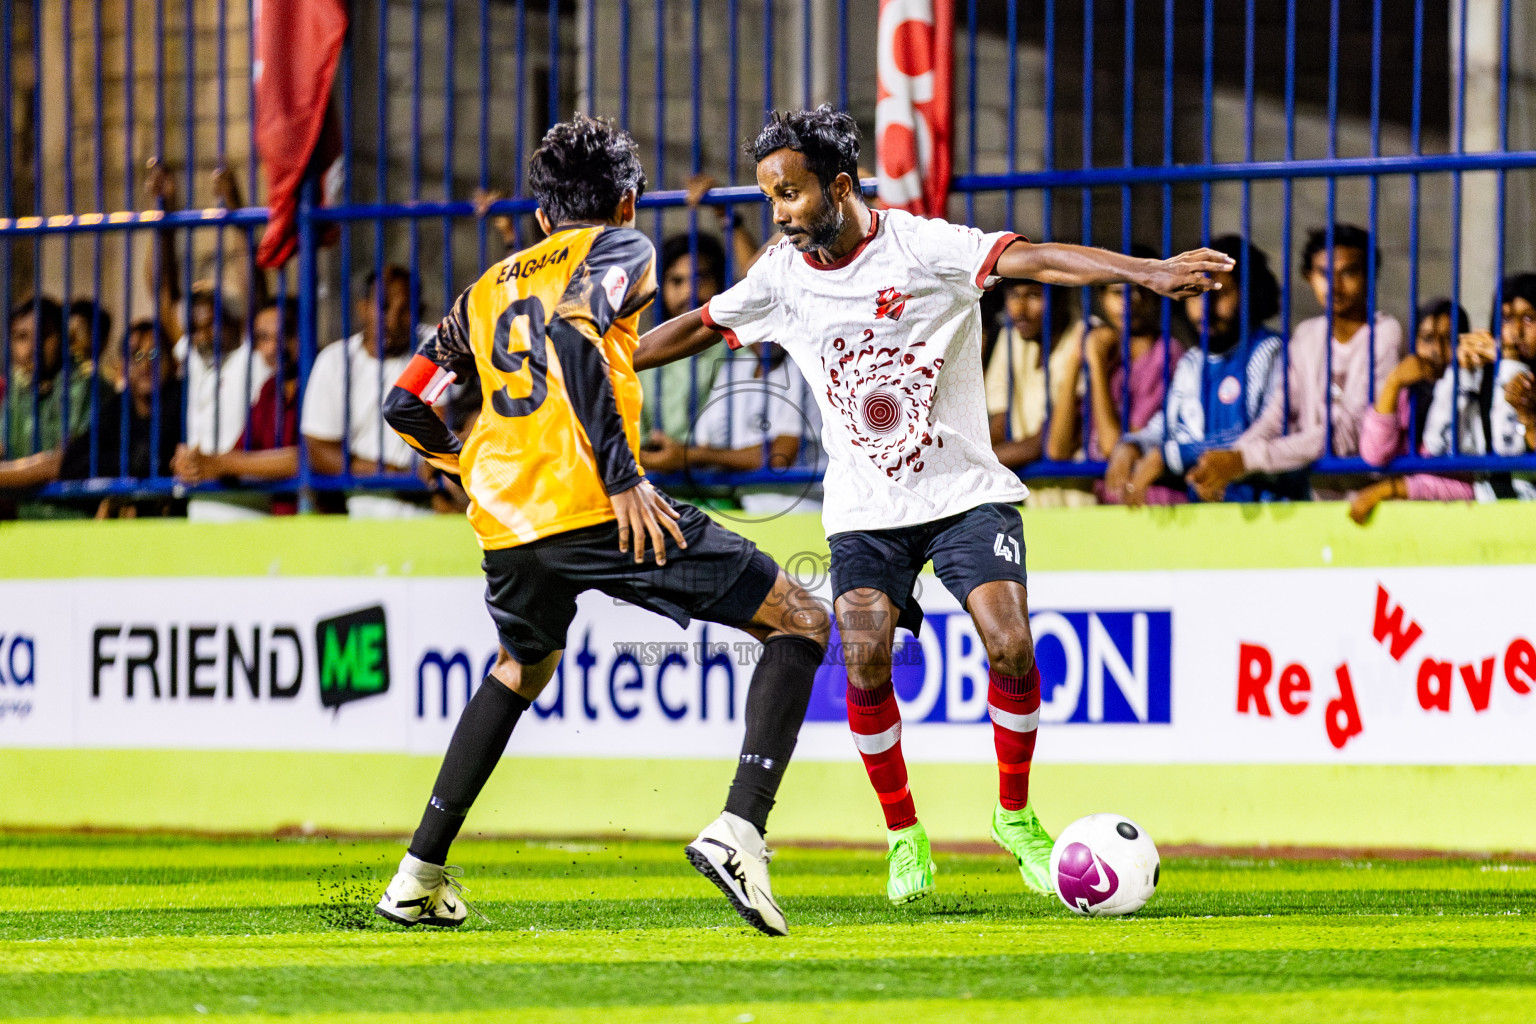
{"points": [[880, 311], [559, 502], [1216, 394]]}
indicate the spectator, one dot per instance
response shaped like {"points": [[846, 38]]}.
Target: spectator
{"points": [[506, 229], [221, 377], [744, 249], [346, 388], [1107, 378], [90, 340], [34, 394], [1216, 394], [1492, 412], [269, 448], [669, 390], [1276, 444], [150, 443], [1016, 382], [746, 412], [1395, 424]]}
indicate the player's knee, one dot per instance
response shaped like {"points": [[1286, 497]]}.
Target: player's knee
{"points": [[804, 615], [812, 619], [1012, 652]]}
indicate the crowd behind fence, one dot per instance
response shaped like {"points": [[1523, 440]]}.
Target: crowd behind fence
{"points": [[235, 392]]}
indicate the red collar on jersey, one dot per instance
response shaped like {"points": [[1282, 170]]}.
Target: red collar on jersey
{"points": [[874, 225]]}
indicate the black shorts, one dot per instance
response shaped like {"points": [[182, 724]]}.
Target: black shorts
{"points": [[531, 589], [967, 550]]}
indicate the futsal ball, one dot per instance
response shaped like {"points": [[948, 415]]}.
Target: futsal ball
{"points": [[1104, 865]]}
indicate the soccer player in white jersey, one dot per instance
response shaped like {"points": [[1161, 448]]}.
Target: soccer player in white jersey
{"points": [[879, 309]]}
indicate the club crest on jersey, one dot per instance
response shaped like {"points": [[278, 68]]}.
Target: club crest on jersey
{"points": [[1229, 390], [890, 303]]}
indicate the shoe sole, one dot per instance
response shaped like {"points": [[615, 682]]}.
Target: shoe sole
{"points": [[1031, 886], [431, 922], [912, 897], [704, 866]]}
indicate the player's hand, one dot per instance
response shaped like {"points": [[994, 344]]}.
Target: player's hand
{"points": [[1476, 349], [643, 513], [1187, 274], [1118, 473], [1214, 472]]}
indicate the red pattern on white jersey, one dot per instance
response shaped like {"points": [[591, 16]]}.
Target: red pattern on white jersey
{"points": [[904, 421]]}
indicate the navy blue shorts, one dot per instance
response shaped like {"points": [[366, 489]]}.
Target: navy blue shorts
{"points": [[967, 550], [531, 589]]}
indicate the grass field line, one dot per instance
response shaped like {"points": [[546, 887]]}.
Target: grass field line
{"points": [[731, 944], [1001, 881], [115, 850], [1337, 1006]]}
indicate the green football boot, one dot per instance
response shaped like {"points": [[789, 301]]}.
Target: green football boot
{"points": [[1021, 834], [912, 866]]}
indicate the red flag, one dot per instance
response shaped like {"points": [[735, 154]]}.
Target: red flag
{"points": [[298, 45], [915, 57]]}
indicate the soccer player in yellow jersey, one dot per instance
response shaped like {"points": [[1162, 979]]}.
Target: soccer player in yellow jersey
{"points": [[560, 505]]}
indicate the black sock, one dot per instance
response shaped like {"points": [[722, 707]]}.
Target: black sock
{"points": [[478, 742], [776, 703]]}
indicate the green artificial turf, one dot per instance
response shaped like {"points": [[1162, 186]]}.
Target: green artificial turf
{"points": [[181, 929]]}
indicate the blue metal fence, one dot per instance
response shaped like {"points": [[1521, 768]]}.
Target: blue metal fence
{"points": [[486, 77]]}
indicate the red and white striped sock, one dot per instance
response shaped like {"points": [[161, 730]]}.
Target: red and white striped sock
{"points": [[1014, 704], [876, 723]]}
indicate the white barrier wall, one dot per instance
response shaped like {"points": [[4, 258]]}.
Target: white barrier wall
{"points": [[1370, 666]]}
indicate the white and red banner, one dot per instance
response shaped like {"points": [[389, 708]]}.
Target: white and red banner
{"points": [[915, 65], [1322, 666]]}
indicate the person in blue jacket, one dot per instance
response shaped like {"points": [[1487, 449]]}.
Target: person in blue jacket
{"points": [[1217, 392]]}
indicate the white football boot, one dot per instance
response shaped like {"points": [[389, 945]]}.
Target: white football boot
{"points": [[422, 893], [731, 853]]}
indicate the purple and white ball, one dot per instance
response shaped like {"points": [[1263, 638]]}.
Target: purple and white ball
{"points": [[1105, 865]]}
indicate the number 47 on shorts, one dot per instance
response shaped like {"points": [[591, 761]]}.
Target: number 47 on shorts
{"points": [[1007, 548]]}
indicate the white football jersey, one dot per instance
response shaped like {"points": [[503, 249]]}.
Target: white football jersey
{"points": [[889, 338]]}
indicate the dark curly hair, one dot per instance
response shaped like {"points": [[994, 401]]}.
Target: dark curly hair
{"points": [[1262, 296], [582, 169], [828, 138]]}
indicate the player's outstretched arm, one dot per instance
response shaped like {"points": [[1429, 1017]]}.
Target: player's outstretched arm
{"points": [[678, 338], [1182, 276], [408, 406]]}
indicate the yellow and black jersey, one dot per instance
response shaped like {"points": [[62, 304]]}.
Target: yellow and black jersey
{"points": [[551, 333]]}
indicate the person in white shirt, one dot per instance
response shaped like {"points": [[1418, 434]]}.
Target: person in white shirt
{"points": [[345, 391], [223, 376], [880, 311], [752, 419]]}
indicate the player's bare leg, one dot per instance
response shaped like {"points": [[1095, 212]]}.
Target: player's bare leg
{"points": [[731, 852], [423, 891], [866, 621], [1000, 610]]}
